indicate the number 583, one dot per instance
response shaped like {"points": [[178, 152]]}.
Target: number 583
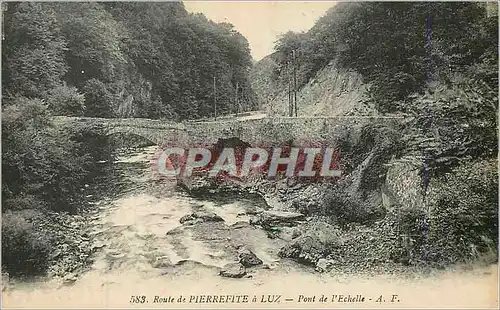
{"points": [[137, 299]]}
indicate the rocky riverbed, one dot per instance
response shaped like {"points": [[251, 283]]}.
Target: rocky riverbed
{"points": [[142, 229], [316, 232], [136, 219]]}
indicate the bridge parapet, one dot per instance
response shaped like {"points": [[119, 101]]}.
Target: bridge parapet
{"points": [[267, 131]]}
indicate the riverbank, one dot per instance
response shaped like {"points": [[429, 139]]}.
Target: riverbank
{"points": [[68, 235]]}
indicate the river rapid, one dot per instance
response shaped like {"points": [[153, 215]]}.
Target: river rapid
{"points": [[144, 250]]}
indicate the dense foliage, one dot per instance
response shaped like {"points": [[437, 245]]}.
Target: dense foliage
{"points": [[151, 60], [44, 168], [464, 223], [398, 47]]}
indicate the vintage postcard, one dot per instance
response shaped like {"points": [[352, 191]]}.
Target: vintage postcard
{"points": [[249, 154]]}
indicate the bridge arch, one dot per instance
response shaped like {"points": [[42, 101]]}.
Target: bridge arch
{"points": [[127, 139], [156, 136]]}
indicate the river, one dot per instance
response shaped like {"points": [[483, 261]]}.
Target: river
{"points": [[144, 250]]}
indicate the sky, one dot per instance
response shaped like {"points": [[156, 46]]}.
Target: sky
{"points": [[261, 22]]}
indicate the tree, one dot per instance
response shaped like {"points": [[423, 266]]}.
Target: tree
{"points": [[94, 42], [33, 50]]}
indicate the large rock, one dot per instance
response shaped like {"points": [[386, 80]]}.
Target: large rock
{"points": [[289, 233], [161, 262], [276, 218], [5, 281], [248, 259], [323, 265], [240, 224], [70, 278], [233, 270], [201, 216], [316, 242]]}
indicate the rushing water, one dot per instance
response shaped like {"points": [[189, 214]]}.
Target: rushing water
{"points": [[145, 250]]}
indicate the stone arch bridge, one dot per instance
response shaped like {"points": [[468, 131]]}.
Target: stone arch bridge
{"points": [[269, 131]]}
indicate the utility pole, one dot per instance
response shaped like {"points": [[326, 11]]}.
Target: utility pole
{"points": [[215, 101], [294, 82], [4, 8], [290, 103], [236, 101]]}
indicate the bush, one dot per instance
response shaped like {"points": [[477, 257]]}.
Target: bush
{"points": [[93, 142], [464, 221], [64, 100], [98, 99], [346, 206], [20, 113], [410, 235], [24, 202], [23, 123], [43, 161], [24, 251]]}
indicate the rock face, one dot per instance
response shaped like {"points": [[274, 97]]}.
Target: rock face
{"points": [[233, 270], [248, 259], [317, 241], [269, 219], [201, 216]]}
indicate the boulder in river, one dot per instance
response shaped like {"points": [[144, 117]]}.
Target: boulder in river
{"points": [[97, 245], [70, 278], [240, 224], [317, 241], [323, 265], [201, 216], [161, 262], [233, 270], [274, 218], [248, 259]]}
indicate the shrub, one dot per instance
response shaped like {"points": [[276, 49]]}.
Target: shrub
{"points": [[346, 206], [99, 100], [24, 251], [410, 233], [24, 202], [91, 138], [43, 161], [64, 100], [464, 221], [23, 123]]}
